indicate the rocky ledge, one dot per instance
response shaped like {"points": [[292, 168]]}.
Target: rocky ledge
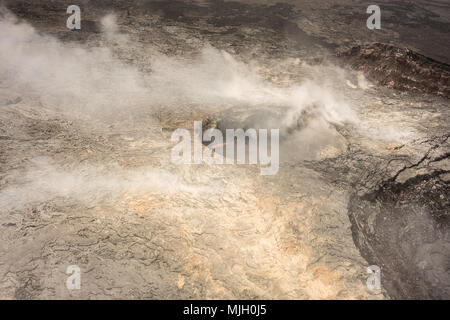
{"points": [[399, 68]]}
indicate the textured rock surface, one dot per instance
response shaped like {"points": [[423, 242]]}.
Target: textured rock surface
{"points": [[405, 229], [400, 69], [97, 189]]}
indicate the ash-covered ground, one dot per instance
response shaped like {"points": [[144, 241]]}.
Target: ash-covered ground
{"points": [[86, 177]]}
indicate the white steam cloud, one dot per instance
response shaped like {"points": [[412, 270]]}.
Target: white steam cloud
{"points": [[76, 78], [73, 76], [45, 180]]}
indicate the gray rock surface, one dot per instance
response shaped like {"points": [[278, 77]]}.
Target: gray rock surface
{"points": [[86, 176]]}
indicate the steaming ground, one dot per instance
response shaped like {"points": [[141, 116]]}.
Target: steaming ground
{"points": [[86, 176]]}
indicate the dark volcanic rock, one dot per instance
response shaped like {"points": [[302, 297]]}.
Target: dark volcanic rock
{"points": [[404, 228], [399, 68], [405, 231]]}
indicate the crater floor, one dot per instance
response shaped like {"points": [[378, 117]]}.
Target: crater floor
{"points": [[86, 176]]}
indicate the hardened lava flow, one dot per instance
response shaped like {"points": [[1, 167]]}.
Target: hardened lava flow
{"points": [[87, 178]]}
